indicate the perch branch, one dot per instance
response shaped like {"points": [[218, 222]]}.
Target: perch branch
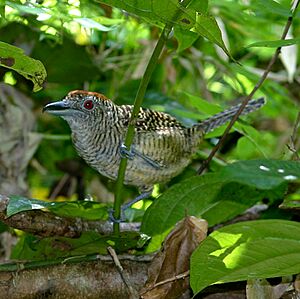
{"points": [[46, 224]]}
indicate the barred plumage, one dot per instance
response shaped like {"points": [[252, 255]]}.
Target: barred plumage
{"points": [[162, 146]]}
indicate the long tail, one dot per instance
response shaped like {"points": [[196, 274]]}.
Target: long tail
{"points": [[221, 118]]}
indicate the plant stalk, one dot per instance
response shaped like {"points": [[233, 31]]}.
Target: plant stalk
{"points": [[136, 108]]}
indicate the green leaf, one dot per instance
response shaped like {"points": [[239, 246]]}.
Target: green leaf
{"points": [[220, 196], [246, 250], [194, 18], [185, 38], [202, 105], [291, 202], [27, 9], [90, 23], [32, 248], [14, 58], [84, 209], [200, 6], [263, 174], [208, 27], [275, 43], [271, 6]]}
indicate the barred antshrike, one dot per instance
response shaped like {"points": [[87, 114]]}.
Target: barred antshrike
{"points": [[162, 146]]}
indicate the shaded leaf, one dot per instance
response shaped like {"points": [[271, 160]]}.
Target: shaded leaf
{"points": [[276, 43], [238, 252], [263, 174], [84, 209], [185, 38], [33, 248]]}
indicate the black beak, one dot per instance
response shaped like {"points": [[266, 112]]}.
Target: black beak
{"points": [[56, 107]]}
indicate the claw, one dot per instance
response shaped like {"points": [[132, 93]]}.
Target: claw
{"points": [[125, 152], [125, 206], [113, 219]]}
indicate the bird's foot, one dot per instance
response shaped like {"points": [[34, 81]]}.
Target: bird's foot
{"points": [[112, 218], [125, 206], [125, 152]]}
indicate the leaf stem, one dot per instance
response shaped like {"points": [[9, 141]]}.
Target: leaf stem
{"points": [[136, 108], [135, 111]]}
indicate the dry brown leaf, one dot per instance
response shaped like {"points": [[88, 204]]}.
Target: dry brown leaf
{"points": [[261, 288], [168, 272]]}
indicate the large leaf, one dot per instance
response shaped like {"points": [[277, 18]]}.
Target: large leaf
{"points": [[262, 174], [220, 196], [194, 18], [256, 249], [14, 58]]}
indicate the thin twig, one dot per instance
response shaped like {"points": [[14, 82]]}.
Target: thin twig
{"points": [[249, 97], [59, 186], [133, 292], [176, 277]]}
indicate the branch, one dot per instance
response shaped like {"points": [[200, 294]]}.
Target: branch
{"points": [[172, 279], [126, 279], [45, 224], [96, 277], [249, 97]]}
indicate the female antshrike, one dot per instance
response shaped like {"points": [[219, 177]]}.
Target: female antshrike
{"points": [[162, 146]]}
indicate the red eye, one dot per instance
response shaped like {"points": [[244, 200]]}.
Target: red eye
{"points": [[88, 104]]}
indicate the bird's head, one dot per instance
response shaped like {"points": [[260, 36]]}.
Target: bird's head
{"points": [[79, 105]]}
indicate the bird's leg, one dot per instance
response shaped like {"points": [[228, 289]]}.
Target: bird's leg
{"points": [[130, 154], [127, 205]]}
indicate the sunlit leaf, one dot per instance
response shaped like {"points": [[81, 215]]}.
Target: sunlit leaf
{"points": [[256, 249], [14, 58], [89, 23]]}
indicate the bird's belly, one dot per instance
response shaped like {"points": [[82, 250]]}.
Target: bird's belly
{"points": [[137, 173], [142, 175], [169, 158]]}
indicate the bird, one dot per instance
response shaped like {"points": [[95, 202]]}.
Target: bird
{"points": [[162, 146]]}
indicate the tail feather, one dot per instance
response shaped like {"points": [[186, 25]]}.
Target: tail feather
{"points": [[221, 118]]}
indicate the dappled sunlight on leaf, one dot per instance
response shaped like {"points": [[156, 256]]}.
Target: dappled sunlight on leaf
{"points": [[265, 248]]}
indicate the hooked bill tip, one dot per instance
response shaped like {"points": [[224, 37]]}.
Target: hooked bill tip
{"points": [[56, 106]]}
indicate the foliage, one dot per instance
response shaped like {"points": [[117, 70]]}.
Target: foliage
{"points": [[13, 58], [239, 252], [89, 45], [220, 196]]}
